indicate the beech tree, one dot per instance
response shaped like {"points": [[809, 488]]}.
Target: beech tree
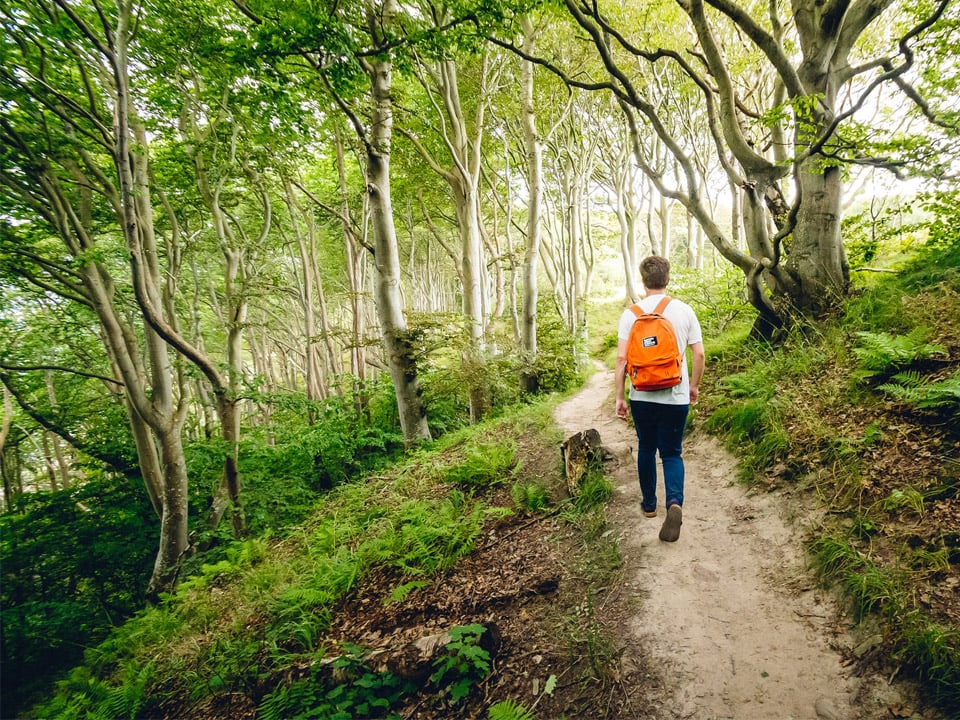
{"points": [[821, 75], [341, 44], [79, 167], [459, 127]]}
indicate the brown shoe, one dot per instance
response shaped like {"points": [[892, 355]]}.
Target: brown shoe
{"points": [[649, 513], [671, 526]]}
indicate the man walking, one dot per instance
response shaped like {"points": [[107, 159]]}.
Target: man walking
{"points": [[659, 416]]}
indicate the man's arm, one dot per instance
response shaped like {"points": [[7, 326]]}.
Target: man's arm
{"points": [[620, 378], [696, 372]]}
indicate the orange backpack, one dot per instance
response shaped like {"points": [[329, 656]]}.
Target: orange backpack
{"points": [[654, 360]]}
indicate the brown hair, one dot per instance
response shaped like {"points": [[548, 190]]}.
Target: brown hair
{"points": [[655, 272]]}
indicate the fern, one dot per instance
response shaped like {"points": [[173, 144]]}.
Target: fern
{"points": [[484, 465], [748, 385], [509, 710], [913, 388], [881, 353], [125, 700]]}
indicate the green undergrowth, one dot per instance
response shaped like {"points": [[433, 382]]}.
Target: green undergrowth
{"points": [[862, 412], [260, 614], [254, 624]]}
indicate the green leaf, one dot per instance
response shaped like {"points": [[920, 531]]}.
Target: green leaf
{"points": [[550, 685]]}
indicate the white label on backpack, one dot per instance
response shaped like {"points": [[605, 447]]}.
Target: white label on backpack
{"points": [[650, 341]]}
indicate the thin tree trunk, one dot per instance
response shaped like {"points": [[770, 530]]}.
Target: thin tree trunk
{"points": [[666, 227], [397, 342], [534, 156], [5, 424], [62, 466]]}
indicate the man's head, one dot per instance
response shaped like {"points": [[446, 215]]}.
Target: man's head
{"points": [[655, 272]]}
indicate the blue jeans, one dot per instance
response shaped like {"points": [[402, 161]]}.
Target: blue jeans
{"points": [[659, 428]]}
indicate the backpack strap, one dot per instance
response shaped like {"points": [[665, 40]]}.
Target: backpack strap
{"points": [[638, 311], [661, 306]]}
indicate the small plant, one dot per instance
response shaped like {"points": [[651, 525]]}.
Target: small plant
{"points": [[863, 526], [357, 692], [484, 465], [530, 496], [509, 710], [917, 390], [126, 700], [465, 661], [833, 558], [905, 499], [882, 353], [935, 652], [874, 589], [595, 490], [930, 560], [399, 593], [587, 641], [872, 434]]}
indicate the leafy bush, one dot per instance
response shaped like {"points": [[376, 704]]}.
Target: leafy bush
{"points": [[74, 563], [484, 465], [944, 228], [357, 692], [717, 299], [463, 663], [530, 496], [284, 474], [456, 375], [553, 367]]}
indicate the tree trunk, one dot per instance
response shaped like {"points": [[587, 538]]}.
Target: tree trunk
{"points": [[626, 219], [666, 227], [354, 256], [817, 257], [534, 155], [5, 424], [173, 520], [48, 460], [463, 177], [398, 344], [55, 443]]}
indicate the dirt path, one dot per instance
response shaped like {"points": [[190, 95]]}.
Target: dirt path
{"points": [[727, 614]]}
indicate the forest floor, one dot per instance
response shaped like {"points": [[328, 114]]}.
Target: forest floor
{"points": [[726, 622], [609, 622]]}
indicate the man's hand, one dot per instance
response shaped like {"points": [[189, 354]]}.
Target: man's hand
{"points": [[694, 394], [619, 378], [622, 408]]}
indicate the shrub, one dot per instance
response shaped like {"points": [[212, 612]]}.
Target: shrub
{"points": [[463, 663], [74, 563], [917, 390], [357, 692], [530, 496]]}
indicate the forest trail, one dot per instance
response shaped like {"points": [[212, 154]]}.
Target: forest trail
{"points": [[724, 623]]}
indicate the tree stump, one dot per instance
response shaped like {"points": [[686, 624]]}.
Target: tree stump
{"points": [[581, 452]]}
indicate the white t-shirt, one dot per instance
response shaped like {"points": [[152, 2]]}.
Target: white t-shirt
{"points": [[687, 328]]}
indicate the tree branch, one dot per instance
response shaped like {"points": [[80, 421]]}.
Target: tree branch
{"points": [[891, 74], [59, 368], [767, 43]]}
